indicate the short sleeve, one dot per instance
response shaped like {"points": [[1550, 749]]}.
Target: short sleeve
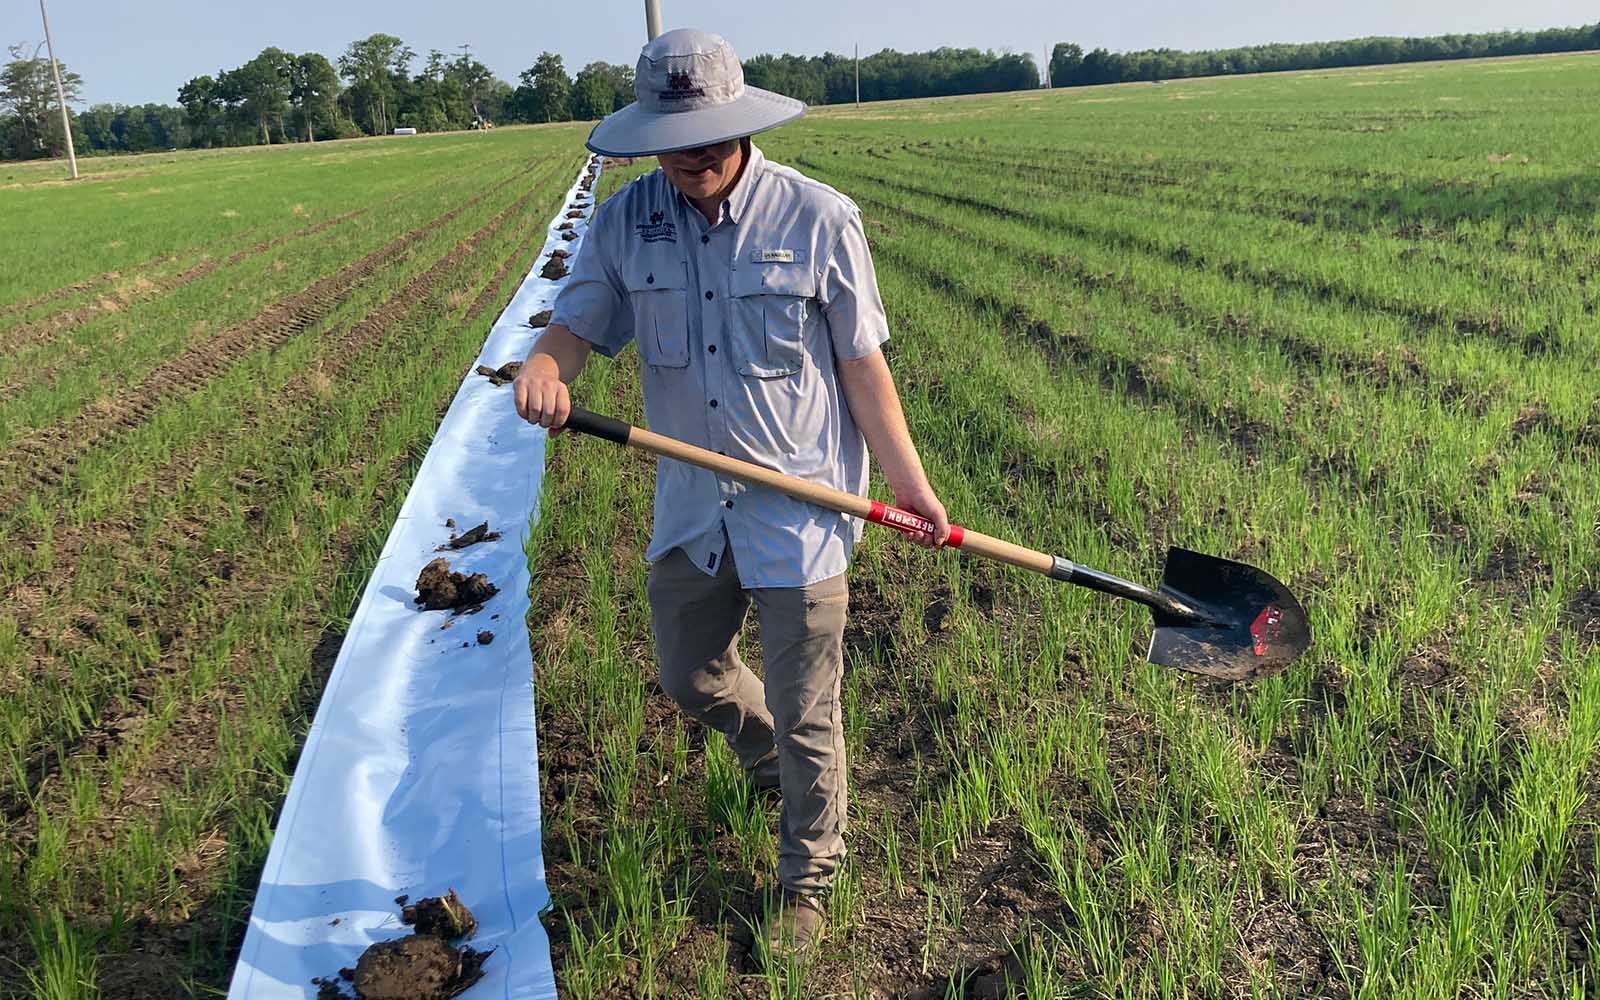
{"points": [[848, 291], [593, 301]]}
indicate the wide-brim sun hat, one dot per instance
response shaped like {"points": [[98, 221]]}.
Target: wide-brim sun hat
{"points": [[689, 91]]}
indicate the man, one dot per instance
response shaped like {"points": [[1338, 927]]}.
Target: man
{"points": [[751, 296]]}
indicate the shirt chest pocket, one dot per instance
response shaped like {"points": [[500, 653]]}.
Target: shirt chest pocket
{"points": [[772, 309], [659, 296]]}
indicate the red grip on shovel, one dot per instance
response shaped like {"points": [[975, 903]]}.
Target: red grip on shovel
{"points": [[904, 520]]}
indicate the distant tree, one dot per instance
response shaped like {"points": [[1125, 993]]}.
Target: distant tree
{"points": [[600, 89], [546, 91], [28, 93], [313, 89], [201, 101], [371, 65], [259, 91], [474, 79], [1066, 62]]}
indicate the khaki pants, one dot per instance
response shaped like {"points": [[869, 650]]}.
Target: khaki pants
{"points": [[791, 727]]}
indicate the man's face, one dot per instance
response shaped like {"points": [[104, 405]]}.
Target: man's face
{"points": [[703, 171]]}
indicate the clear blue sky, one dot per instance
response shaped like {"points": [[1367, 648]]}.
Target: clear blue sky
{"points": [[133, 51]]}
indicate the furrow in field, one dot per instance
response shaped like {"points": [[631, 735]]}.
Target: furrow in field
{"points": [[1491, 327], [46, 457], [1300, 206], [95, 283], [1383, 368], [188, 533], [49, 327]]}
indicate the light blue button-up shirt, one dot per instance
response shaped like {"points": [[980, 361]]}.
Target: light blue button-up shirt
{"points": [[740, 326]]}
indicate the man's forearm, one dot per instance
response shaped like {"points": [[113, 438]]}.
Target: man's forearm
{"points": [[558, 353], [874, 402]]}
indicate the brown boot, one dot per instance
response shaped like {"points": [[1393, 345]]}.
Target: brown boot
{"points": [[795, 927]]}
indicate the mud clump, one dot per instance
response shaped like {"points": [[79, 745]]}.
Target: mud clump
{"points": [[542, 317], [554, 269], [569, 235], [500, 376], [484, 638], [441, 917], [560, 253], [575, 214], [420, 967], [441, 589], [470, 537]]}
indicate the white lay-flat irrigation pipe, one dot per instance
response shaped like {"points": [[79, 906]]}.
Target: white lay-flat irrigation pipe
{"points": [[421, 771]]}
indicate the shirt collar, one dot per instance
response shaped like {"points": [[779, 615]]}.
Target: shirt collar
{"points": [[738, 199]]}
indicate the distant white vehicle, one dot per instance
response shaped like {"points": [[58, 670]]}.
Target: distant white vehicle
{"points": [[405, 131]]}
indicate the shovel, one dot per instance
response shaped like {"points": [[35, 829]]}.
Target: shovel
{"points": [[1213, 616]]}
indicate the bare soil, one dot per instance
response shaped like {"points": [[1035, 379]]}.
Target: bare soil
{"points": [[439, 588]]}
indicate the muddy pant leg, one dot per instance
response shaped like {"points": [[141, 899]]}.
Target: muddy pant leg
{"points": [[696, 619], [802, 646]]}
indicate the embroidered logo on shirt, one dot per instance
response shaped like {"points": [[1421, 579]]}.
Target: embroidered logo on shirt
{"points": [[657, 230], [772, 257]]}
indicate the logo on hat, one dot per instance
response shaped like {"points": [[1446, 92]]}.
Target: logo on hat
{"points": [[680, 87], [655, 218]]}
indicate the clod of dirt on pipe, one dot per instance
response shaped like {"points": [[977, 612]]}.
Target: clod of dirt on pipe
{"points": [[441, 589], [500, 376]]}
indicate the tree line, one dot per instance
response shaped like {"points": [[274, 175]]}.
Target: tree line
{"points": [[378, 84], [1070, 66]]}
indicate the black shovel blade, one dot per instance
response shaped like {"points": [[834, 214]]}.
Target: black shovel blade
{"points": [[1252, 628]]}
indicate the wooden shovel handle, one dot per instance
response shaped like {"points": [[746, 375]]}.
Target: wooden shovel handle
{"points": [[596, 425]]}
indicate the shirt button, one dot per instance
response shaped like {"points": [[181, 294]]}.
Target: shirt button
{"points": [[713, 404], [711, 348], [727, 503], [705, 239], [710, 294]]}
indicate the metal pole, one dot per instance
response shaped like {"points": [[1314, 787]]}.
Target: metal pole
{"points": [[858, 74], [61, 97], [652, 18]]}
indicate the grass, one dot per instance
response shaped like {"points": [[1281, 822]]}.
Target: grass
{"points": [[1338, 325]]}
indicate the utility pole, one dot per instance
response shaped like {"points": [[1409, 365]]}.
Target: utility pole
{"points": [[858, 74], [652, 18], [1047, 67], [61, 97]]}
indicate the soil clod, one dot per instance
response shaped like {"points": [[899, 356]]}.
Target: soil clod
{"points": [[441, 589], [560, 254], [569, 235], [553, 269], [500, 376], [542, 317], [574, 214], [485, 637], [420, 967], [441, 916], [471, 537]]}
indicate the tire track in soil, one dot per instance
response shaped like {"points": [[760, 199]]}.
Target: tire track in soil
{"points": [[392, 313], [86, 285], [1492, 329], [1327, 465], [69, 319], [48, 456], [38, 332], [1406, 369]]}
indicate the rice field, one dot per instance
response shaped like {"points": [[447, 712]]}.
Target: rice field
{"points": [[1340, 325]]}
